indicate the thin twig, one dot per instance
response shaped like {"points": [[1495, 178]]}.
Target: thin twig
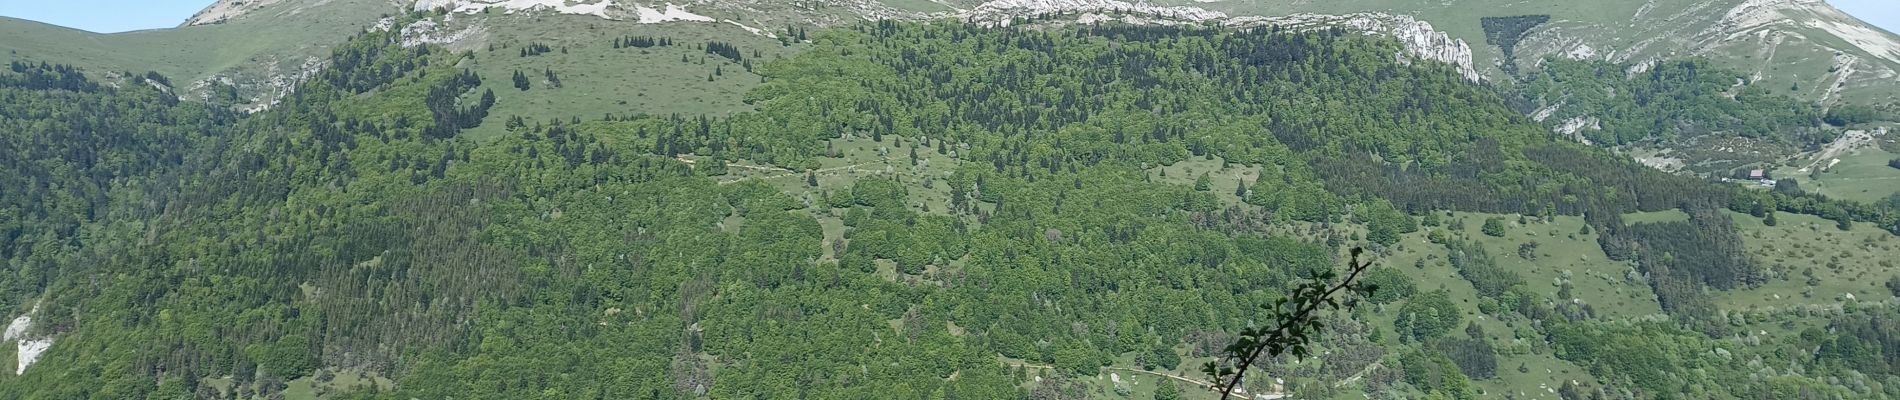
{"points": [[1279, 333]]}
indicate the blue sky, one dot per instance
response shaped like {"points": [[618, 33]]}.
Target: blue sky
{"points": [[126, 15], [1882, 13], [105, 16]]}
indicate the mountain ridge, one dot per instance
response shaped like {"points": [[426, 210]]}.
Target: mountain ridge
{"points": [[1823, 54]]}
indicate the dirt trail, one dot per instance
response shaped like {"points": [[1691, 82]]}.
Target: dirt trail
{"points": [[732, 165], [786, 173], [1847, 142], [783, 172], [1844, 69]]}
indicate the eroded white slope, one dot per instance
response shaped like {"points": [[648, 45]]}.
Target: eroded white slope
{"points": [[30, 349], [1782, 43], [595, 7], [609, 9], [668, 13], [1751, 16]]}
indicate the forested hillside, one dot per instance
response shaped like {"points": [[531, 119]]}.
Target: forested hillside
{"points": [[955, 212], [1669, 101]]}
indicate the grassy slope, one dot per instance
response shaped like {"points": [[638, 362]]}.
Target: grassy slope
{"points": [[194, 53], [599, 79], [860, 158], [1862, 175], [1846, 263], [308, 388]]}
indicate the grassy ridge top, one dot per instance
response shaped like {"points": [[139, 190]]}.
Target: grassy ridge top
{"points": [[268, 43]]}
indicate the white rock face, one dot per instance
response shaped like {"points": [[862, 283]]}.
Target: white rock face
{"points": [[1582, 52], [281, 85], [29, 349], [755, 31], [384, 25], [1545, 113], [1574, 127], [429, 31], [669, 13], [1419, 37], [18, 328]]}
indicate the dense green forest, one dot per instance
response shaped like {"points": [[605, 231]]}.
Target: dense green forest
{"points": [[1675, 100], [168, 245]]}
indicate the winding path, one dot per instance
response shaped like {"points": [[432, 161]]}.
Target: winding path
{"points": [[783, 172], [786, 173]]}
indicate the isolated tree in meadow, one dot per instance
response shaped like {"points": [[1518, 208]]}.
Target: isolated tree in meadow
{"points": [[521, 80], [1166, 390], [1493, 227]]}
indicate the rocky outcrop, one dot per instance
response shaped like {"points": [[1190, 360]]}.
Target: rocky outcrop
{"points": [[1419, 37], [430, 31], [30, 348], [1421, 40]]}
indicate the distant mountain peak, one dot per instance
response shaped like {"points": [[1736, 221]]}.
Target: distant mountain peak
{"points": [[1753, 16], [225, 10], [1803, 48]]}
